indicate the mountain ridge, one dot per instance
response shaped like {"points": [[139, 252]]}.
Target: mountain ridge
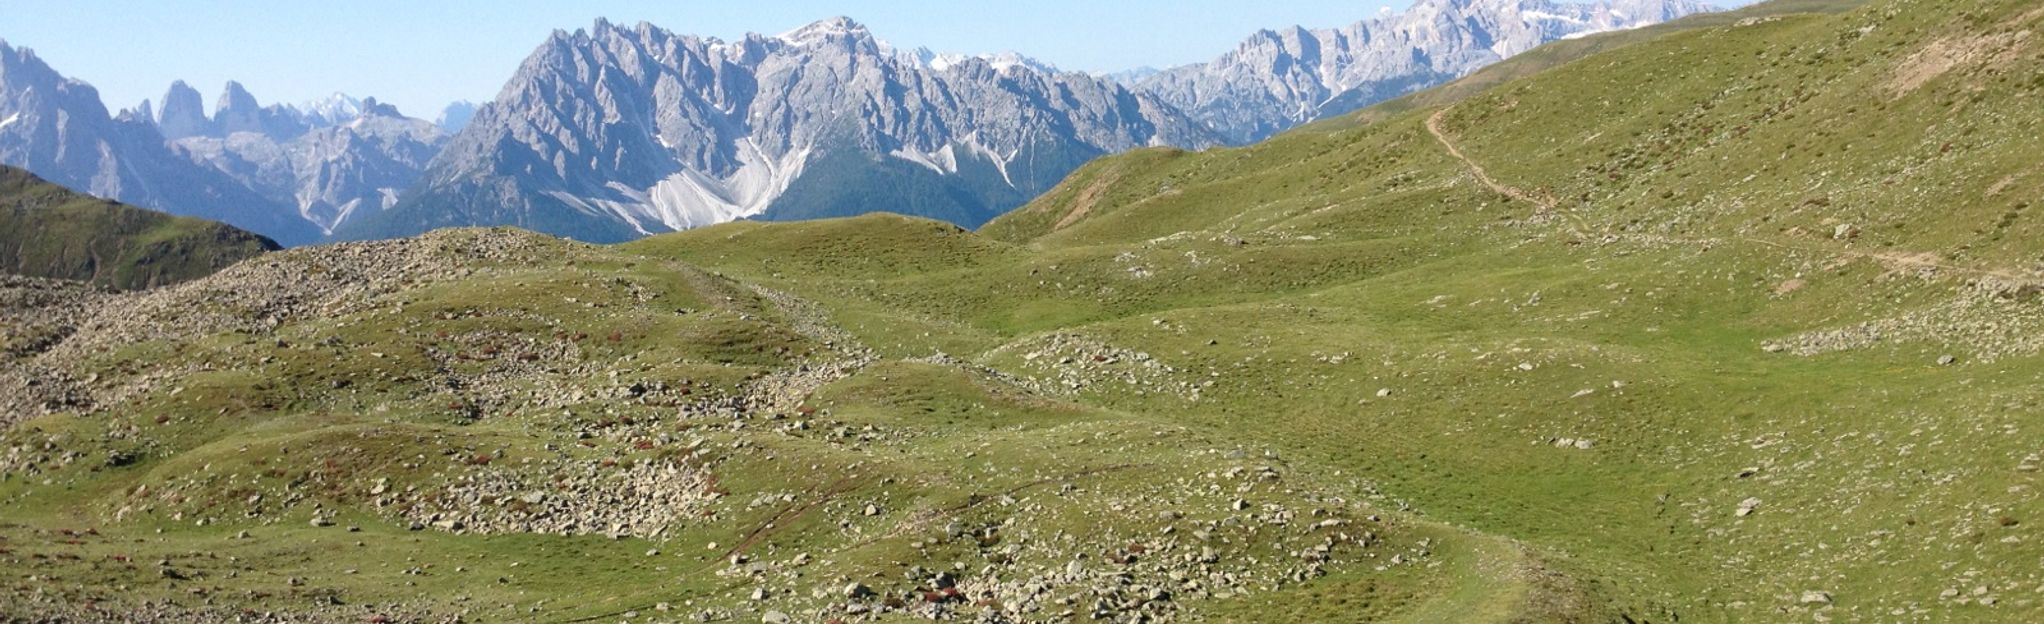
{"points": [[1279, 79], [635, 130], [47, 231]]}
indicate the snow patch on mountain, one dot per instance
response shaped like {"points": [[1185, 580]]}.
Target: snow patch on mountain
{"points": [[335, 109], [691, 199], [1001, 61], [822, 31], [943, 161]]}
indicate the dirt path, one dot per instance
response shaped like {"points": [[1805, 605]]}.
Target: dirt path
{"points": [[1434, 128], [1896, 260]]}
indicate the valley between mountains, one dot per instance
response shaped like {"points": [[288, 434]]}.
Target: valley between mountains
{"points": [[1735, 318]]}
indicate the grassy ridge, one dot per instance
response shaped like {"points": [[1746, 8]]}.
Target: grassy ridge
{"points": [[48, 231]]}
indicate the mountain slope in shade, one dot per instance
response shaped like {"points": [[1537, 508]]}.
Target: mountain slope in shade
{"points": [[613, 133], [58, 129], [49, 231], [1279, 79]]}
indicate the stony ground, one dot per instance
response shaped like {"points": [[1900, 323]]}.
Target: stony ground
{"points": [[1116, 519]]}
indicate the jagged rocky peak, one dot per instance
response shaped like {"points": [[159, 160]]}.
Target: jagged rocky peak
{"points": [[373, 108], [237, 110], [13, 60], [144, 113], [28, 83], [332, 110], [184, 113]]}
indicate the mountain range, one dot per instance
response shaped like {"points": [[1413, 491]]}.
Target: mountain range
{"points": [[1278, 79], [58, 129], [327, 161], [616, 132]]}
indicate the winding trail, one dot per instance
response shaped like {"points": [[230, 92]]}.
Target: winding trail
{"points": [[1581, 229], [1434, 128]]}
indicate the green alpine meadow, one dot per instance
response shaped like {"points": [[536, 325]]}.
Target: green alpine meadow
{"points": [[1736, 317]]}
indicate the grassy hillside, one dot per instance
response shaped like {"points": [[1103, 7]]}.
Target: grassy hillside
{"points": [[1599, 308], [1737, 322], [49, 231]]}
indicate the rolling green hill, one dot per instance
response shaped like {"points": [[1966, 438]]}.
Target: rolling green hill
{"points": [[49, 231], [1734, 322]]}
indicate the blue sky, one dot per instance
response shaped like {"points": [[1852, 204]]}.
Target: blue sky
{"points": [[422, 54]]}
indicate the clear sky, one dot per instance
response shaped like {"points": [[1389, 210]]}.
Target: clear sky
{"points": [[422, 54]]}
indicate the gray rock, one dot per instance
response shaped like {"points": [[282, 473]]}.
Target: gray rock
{"points": [[857, 590], [1747, 507]]}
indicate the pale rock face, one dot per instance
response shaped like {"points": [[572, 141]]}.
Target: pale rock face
{"points": [[1279, 79], [630, 131], [184, 113]]}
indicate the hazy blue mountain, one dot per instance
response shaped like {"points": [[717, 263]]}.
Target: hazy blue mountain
{"points": [[58, 129], [338, 159], [1278, 79]]}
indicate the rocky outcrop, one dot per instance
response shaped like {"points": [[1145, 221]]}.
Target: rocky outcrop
{"points": [[184, 113]]}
